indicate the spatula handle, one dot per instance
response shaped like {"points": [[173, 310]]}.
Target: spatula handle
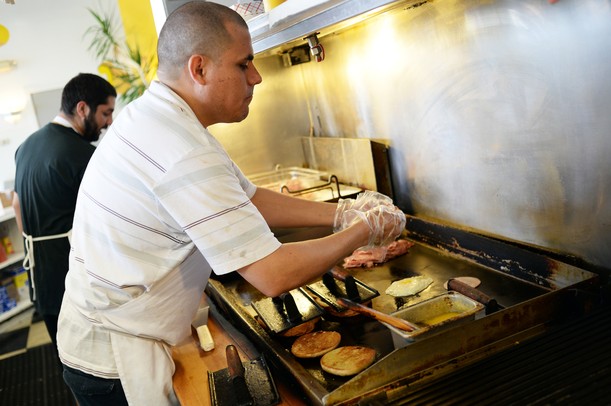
{"points": [[368, 311], [475, 294]]}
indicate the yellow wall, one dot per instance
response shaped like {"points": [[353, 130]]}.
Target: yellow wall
{"points": [[139, 25]]}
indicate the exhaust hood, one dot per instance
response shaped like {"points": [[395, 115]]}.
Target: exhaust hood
{"points": [[294, 20]]}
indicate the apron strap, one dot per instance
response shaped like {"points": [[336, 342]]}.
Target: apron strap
{"points": [[28, 260]]}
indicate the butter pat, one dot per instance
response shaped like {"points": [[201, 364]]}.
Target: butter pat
{"points": [[205, 338]]}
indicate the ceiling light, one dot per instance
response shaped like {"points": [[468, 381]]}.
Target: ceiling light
{"points": [[12, 117], [12, 104], [7, 65]]}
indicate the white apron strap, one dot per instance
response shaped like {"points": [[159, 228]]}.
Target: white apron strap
{"points": [[28, 260]]}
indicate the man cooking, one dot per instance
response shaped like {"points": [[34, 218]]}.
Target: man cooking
{"points": [[161, 205]]}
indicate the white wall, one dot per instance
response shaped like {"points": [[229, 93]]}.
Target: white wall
{"points": [[47, 39]]}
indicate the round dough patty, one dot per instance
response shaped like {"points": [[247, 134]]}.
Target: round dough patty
{"points": [[315, 344], [301, 329], [349, 360]]}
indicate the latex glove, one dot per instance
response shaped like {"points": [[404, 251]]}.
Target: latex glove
{"points": [[386, 223], [363, 202], [370, 199]]}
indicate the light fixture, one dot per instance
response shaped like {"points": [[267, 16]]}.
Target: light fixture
{"points": [[12, 117], [7, 65], [9, 1], [12, 104]]}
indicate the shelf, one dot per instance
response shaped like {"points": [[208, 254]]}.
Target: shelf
{"points": [[7, 213], [21, 306], [12, 259], [9, 224]]}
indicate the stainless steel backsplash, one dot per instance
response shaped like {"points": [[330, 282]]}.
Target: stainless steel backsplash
{"points": [[497, 112]]}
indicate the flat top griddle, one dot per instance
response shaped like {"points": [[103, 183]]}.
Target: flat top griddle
{"points": [[516, 281], [359, 330]]}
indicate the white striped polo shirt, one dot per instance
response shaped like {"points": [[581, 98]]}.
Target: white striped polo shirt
{"points": [[157, 187]]}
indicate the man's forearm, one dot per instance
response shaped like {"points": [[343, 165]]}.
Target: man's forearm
{"points": [[17, 208], [296, 264], [281, 210]]}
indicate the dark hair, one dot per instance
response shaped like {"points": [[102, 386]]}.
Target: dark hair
{"points": [[198, 27], [92, 89]]}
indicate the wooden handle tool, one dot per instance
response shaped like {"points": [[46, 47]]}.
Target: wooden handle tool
{"points": [[368, 311]]}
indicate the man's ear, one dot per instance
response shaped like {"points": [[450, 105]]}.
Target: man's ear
{"points": [[198, 65], [81, 109]]}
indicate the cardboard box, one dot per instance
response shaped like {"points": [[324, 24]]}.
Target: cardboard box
{"points": [[8, 294], [6, 198], [20, 280]]}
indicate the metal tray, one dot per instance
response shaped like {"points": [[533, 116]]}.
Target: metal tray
{"points": [[279, 319], [284, 176], [306, 183], [321, 290], [433, 315]]}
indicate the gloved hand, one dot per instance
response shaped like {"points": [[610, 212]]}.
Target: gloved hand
{"points": [[385, 223], [363, 202]]}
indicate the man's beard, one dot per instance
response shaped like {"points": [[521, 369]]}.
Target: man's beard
{"points": [[91, 131]]}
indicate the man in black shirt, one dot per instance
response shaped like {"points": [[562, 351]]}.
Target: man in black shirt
{"points": [[50, 164]]}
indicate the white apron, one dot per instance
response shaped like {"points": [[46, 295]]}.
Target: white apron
{"points": [[144, 329]]}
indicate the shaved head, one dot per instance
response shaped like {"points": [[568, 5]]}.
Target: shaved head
{"points": [[199, 27]]}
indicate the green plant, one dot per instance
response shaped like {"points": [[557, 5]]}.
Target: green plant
{"points": [[123, 65]]}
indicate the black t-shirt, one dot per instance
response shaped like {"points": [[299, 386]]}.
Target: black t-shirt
{"points": [[49, 168]]}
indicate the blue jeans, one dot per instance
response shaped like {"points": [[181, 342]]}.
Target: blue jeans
{"points": [[89, 390]]}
